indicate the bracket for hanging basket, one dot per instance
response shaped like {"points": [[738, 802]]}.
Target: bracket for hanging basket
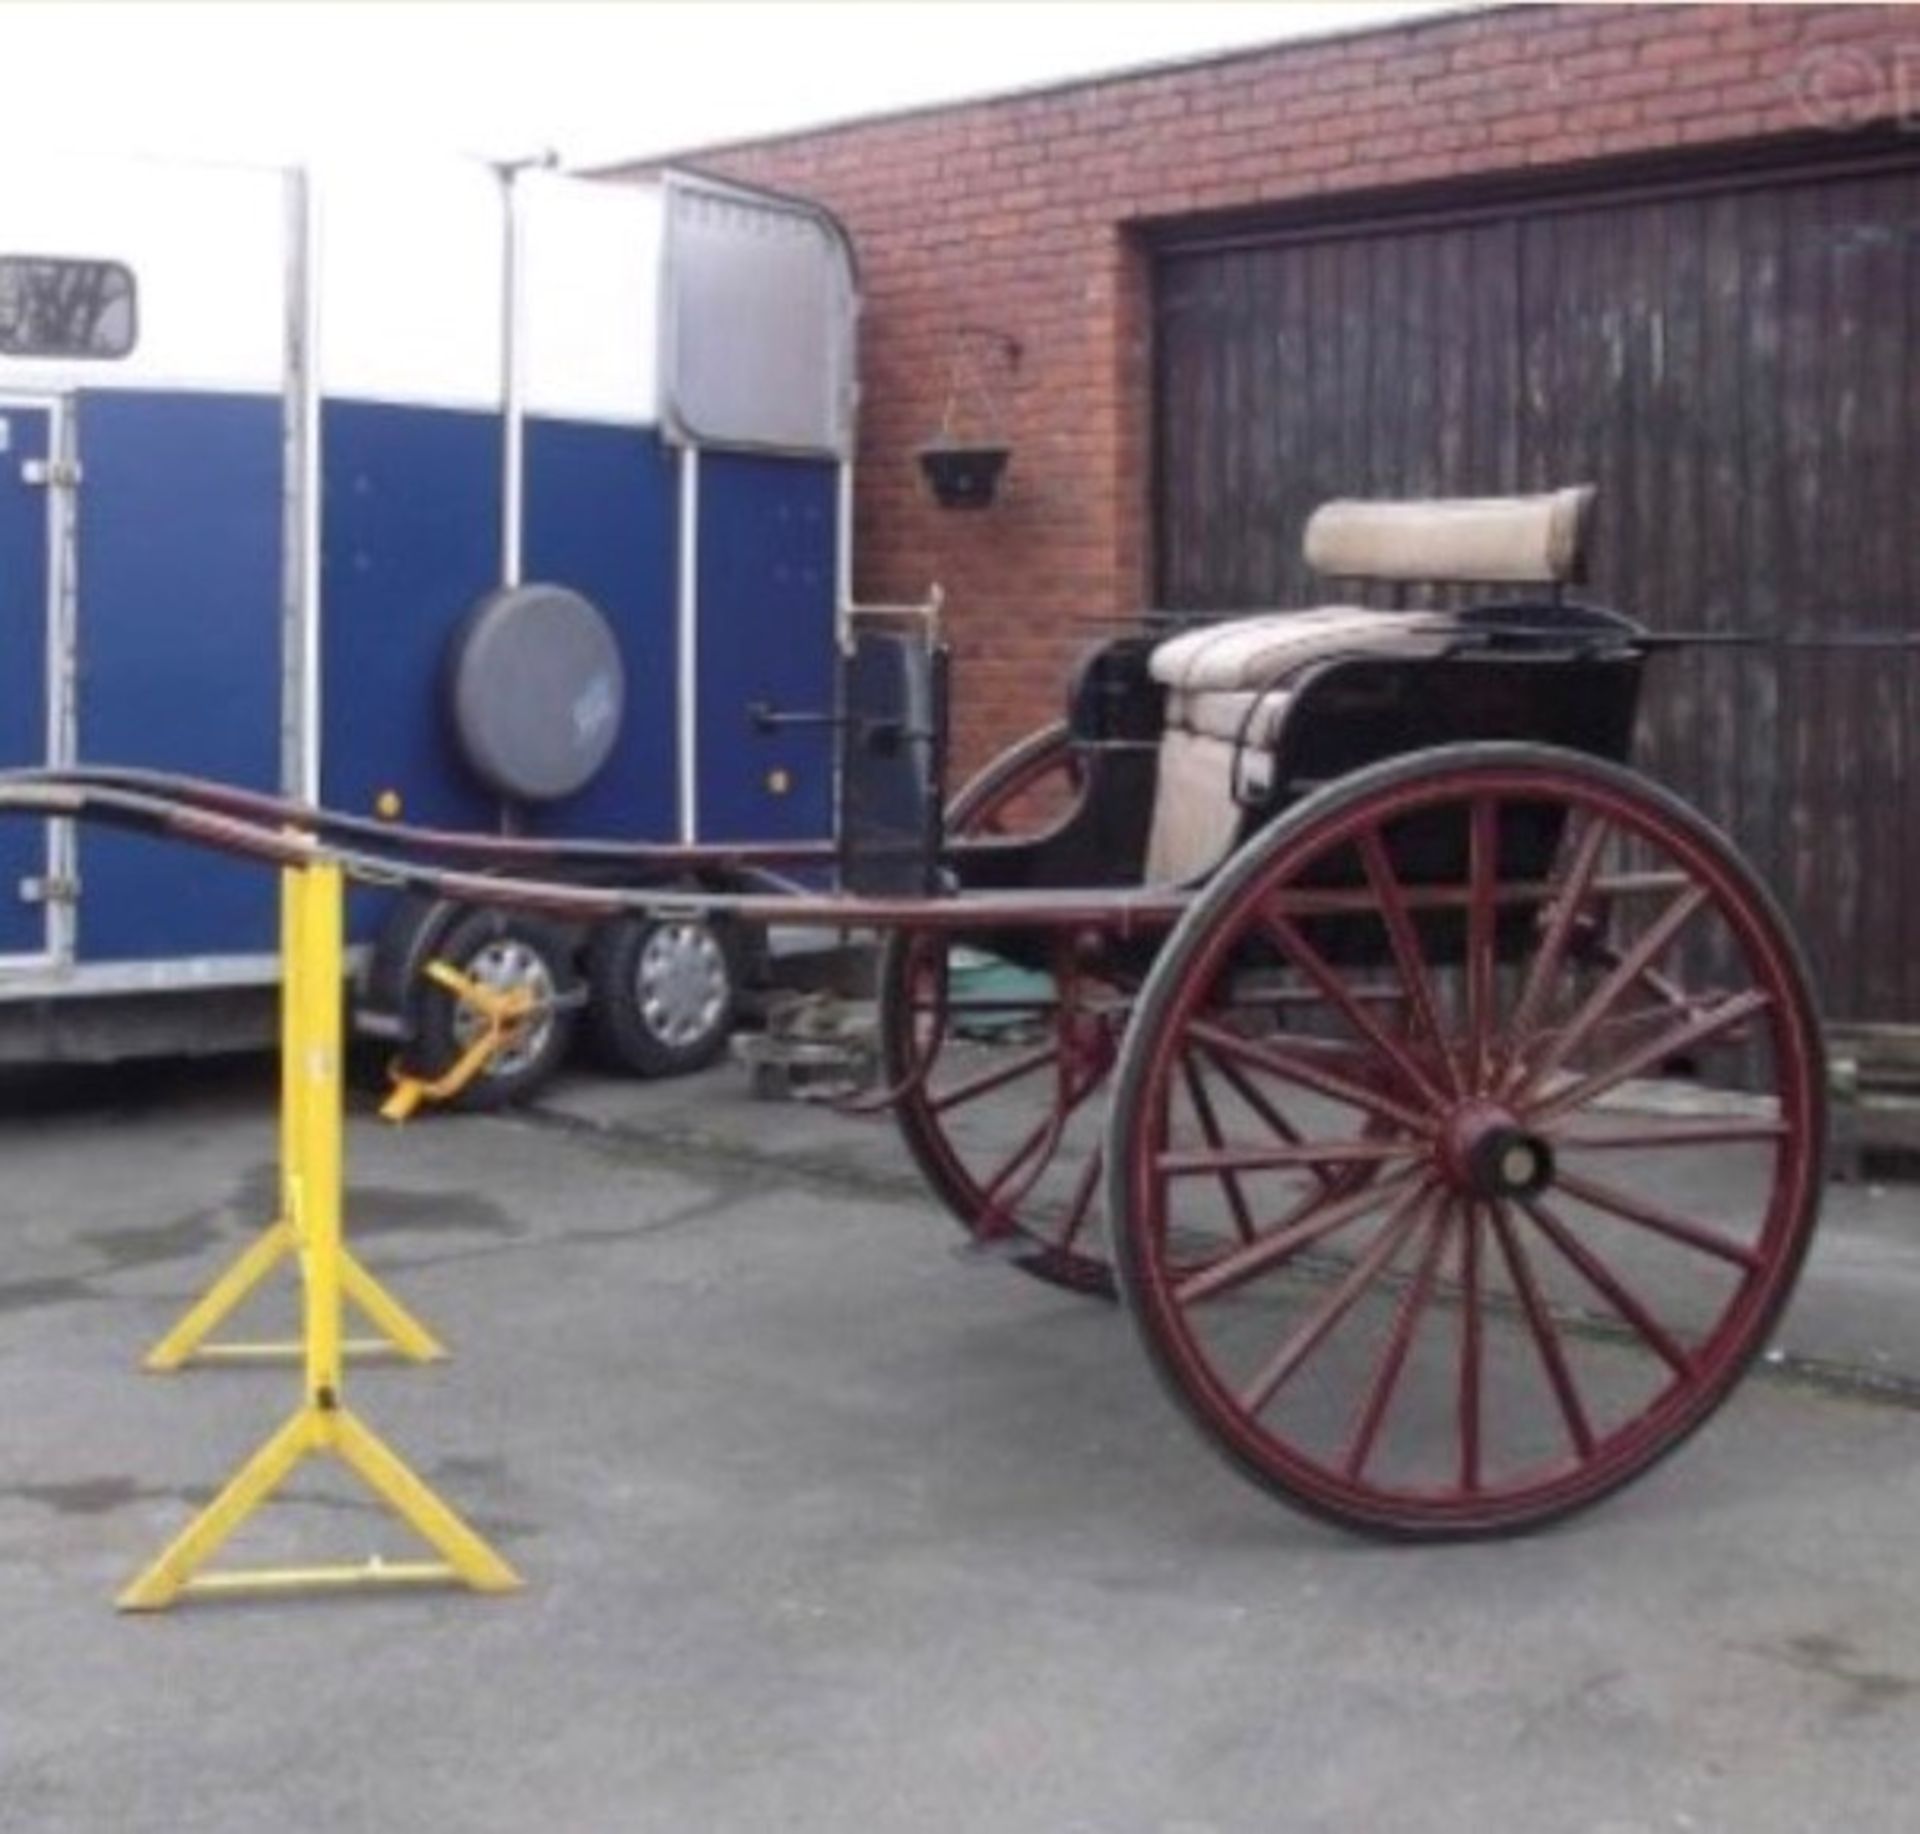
{"points": [[964, 472]]}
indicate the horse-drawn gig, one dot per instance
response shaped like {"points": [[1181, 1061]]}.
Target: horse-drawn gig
{"points": [[1444, 1099]]}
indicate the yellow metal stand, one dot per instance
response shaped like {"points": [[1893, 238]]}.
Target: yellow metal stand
{"points": [[311, 1051], [191, 1339]]}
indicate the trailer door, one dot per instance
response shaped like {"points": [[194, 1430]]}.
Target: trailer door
{"points": [[25, 615]]}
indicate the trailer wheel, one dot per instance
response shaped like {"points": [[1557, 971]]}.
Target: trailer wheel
{"points": [[661, 994], [503, 950], [1597, 1117]]}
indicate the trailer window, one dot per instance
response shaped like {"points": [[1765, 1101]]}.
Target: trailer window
{"points": [[53, 307]]}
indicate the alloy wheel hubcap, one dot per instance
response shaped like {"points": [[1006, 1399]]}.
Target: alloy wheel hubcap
{"points": [[682, 983], [508, 965]]}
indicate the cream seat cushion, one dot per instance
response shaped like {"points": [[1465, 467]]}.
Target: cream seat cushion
{"points": [[1228, 694], [1255, 652]]}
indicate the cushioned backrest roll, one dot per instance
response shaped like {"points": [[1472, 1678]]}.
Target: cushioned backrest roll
{"points": [[1476, 540]]}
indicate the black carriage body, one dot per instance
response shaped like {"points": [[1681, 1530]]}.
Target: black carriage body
{"points": [[1551, 673]]}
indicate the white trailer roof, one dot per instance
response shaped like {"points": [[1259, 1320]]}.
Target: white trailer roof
{"points": [[723, 314]]}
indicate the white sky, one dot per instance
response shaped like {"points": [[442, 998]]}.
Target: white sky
{"points": [[594, 81]]}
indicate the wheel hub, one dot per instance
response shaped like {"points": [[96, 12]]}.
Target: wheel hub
{"points": [[1487, 1153], [683, 982], [508, 965]]}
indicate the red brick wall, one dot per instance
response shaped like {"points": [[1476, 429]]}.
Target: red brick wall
{"points": [[1017, 213]]}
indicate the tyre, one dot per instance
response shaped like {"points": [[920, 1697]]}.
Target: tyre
{"points": [[661, 994], [501, 950]]}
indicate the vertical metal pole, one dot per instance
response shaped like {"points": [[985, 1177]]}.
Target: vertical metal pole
{"points": [[61, 934], [688, 645], [512, 379], [300, 519], [513, 428], [320, 898], [513, 386], [844, 641], [843, 557], [291, 1103]]}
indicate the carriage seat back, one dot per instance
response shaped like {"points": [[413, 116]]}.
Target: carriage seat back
{"points": [[1229, 687], [1538, 540]]}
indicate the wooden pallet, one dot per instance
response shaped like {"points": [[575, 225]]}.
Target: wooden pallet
{"points": [[1874, 1080]]}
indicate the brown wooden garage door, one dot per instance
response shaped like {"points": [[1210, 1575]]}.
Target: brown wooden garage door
{"points": [[1730, 359]]}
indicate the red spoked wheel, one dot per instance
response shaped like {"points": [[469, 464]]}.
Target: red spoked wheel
{"points": [[1592, 1112], [1001, 1078]]}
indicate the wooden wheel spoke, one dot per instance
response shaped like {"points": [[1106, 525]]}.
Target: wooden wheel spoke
{"points": [[1310, 1221], [1631, 966], [1404, 939], [1033, 1143], [1567, 902], [1652, 1137], [1243, 1086], [1082, 1203], [1545, 1338], [1313, 965], [996, 1078], [1607, 1284], [1729, 1013], [1483, 849], [1386, 1375], [1210, 1127], [1039, 1145], [1470, 1349], [1393, 1234], [1661, 1221], [1295, 1067], [1220, 1161]]}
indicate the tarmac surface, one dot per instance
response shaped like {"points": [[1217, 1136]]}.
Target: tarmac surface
{"points": [[826, 1529]]}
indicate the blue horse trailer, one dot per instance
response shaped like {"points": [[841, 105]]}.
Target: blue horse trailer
{"points": [[275, 445]]}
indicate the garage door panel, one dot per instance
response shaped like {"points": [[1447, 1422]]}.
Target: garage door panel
{"points": [[1730, 365]]}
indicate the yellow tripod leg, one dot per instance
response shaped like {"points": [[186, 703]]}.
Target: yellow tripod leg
{"points": [[386, 1474], [202, 1538], [400, 1331], [234, 1287]]}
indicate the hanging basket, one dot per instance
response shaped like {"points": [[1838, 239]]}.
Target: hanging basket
{"points": [[963, 477], [963, 461]]}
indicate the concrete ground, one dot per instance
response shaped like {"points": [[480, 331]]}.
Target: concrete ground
{"points": [[825, 1529]]}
